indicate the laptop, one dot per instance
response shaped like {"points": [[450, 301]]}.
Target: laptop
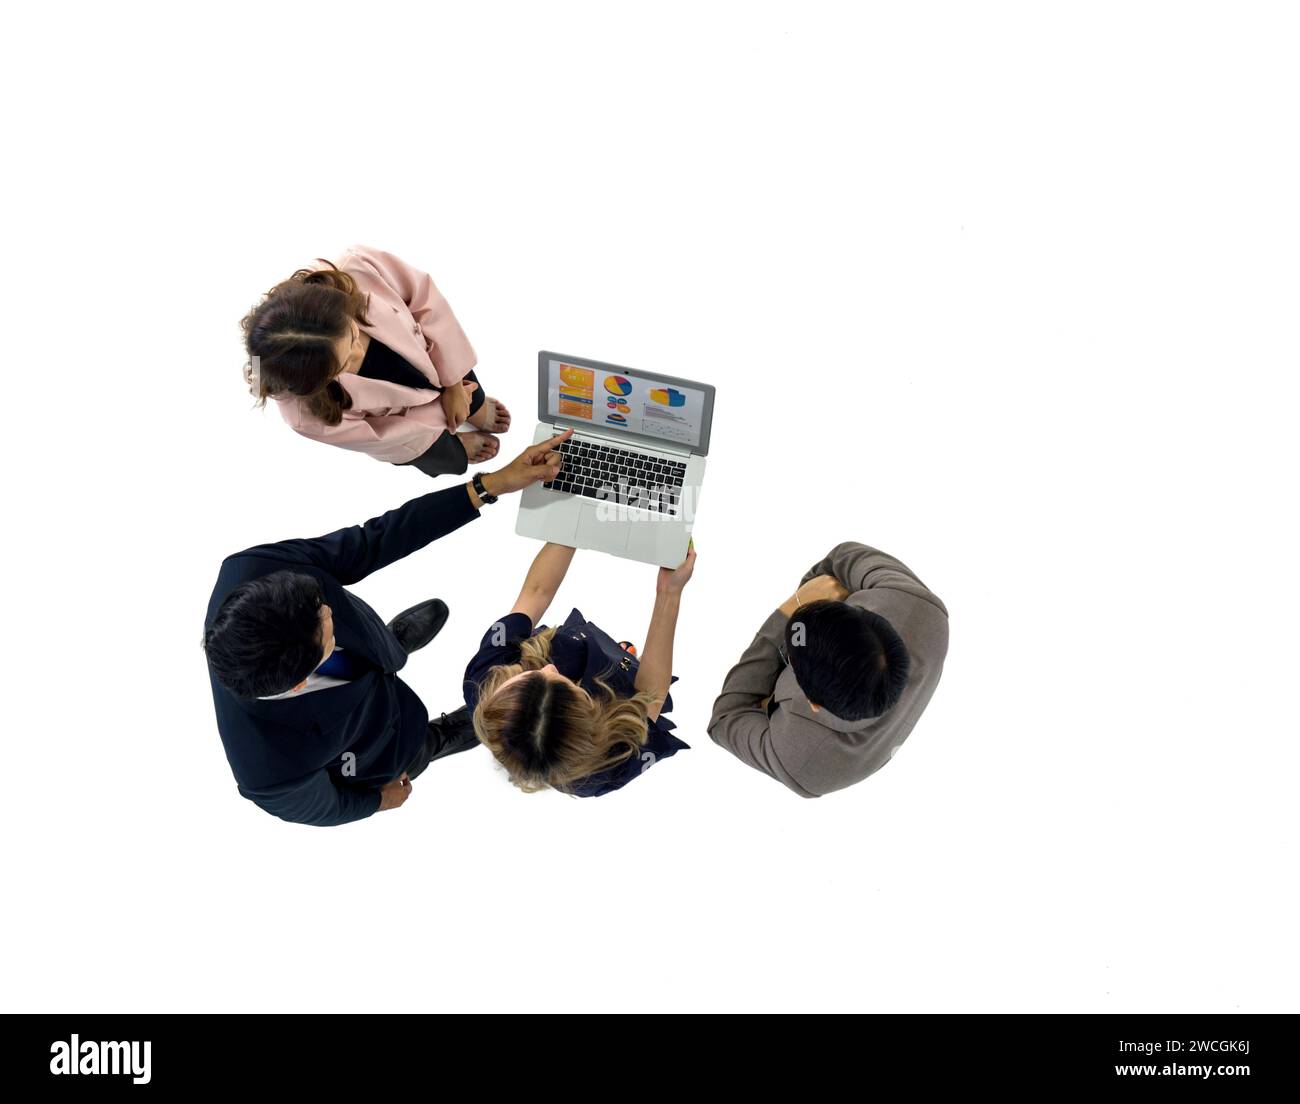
{"points": [[631, 473]]}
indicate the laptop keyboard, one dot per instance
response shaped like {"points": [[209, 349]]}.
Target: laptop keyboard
{"points": [[635, 479]]}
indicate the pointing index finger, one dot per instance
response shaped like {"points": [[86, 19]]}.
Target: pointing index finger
{"points": [[546, 446]]}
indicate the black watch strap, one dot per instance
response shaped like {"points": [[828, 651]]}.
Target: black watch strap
{"points": [[481, 491]]}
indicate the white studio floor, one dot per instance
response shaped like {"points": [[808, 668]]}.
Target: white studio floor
{"points": [[1009, 296]]}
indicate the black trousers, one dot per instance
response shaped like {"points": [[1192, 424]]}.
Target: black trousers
{"points": [[446, 456]]}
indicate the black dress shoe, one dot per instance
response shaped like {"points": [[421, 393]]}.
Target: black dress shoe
{"points": [[450, 733], [415, 627]]}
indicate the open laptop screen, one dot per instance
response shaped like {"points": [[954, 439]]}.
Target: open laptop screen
{"points": [[613, 399]]}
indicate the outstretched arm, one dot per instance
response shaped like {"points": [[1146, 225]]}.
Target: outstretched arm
{"points": [[655, 671], [550, 565], [352, 553]]}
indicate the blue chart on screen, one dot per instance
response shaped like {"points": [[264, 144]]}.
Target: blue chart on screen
{"points": [[668, 396]]}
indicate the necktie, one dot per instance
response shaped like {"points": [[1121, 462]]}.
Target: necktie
{"points": [[344, 665]]}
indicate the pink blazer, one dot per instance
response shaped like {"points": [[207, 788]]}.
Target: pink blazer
{"points": [[408, 314]]}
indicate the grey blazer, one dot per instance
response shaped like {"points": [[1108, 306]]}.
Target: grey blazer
{"points": [[817, 753]]}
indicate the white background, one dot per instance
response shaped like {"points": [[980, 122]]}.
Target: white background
{"points": [[1006, 290]]}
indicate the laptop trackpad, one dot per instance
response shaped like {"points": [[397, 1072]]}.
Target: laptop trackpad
{"points": [[604, 534]]}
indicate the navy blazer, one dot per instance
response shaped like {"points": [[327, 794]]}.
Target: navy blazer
{"points": [[585, 653], [320, 758]]}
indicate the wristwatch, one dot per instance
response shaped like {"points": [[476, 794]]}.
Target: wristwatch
{"points": [[481, 491]]}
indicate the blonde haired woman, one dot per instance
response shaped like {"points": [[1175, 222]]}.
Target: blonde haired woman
{"points": [[567, 708]]}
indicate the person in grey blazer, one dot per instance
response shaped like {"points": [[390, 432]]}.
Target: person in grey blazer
{"points": [[837, 676]]}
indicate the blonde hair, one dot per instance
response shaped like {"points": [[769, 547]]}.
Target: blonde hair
{"points": [[548, 734]]}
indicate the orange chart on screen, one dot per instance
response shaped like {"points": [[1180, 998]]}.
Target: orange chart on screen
{"points": [[582, 378], [577, 391]]}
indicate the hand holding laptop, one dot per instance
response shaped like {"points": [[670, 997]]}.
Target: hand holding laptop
{"points": [[673, 580]]}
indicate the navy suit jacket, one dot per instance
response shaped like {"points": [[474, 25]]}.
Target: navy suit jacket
{"points": [[320, 758]]}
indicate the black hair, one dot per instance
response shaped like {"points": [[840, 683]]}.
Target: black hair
{"points": [[846, 659], [292, 333], [265, 638]]}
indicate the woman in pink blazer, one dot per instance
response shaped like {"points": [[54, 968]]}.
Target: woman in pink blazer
{"points": [[367, 355]]}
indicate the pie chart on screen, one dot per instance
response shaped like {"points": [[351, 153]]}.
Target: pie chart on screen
{"points": [[666, 396], [617, 385]]}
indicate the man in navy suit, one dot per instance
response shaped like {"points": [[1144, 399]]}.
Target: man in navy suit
{"points": [[317, 726]]}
